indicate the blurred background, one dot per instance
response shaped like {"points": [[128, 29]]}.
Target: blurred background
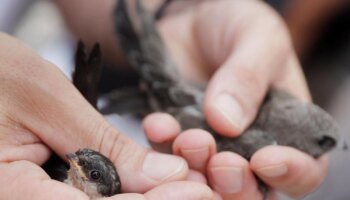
{"points": [[320, 30]]}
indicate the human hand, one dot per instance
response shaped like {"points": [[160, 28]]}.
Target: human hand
{"points": [[244, 48], [40, 110], [34, 183]]}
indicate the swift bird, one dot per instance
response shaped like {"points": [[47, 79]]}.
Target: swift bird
{"points": [[92, 173], [87, 170], [282, 118]]}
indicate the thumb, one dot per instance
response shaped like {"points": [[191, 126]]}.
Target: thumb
{"points": [[233, 97], [171, 191], [68, 122], [41, 99], [246, 68]]}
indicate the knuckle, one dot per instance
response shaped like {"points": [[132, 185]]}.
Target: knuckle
{"points": [[102, 134], [112, 143]]}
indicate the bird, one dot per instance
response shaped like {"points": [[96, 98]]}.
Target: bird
{"points": [[86, 170], [92, 173], [282, 118]]}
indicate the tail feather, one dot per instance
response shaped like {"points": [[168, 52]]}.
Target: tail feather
{"points": [[145, 51], [87, 72]]}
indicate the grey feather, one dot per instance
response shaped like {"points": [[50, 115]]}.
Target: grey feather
{"points": [[282, 118]]}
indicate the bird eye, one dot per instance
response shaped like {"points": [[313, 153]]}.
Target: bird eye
{"points": [[327, 142], [95, 175]]}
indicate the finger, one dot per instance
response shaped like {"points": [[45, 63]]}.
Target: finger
{"points": [[293, 80], [286, 169], [196, 146], [217, 196], [47, 104], [171, 191], [24, 180], [127, 196], [196, 176], [161, 127], [186, 190], [229, 174], [245, 69], [19, 144], [161, 130], [36, 153]]}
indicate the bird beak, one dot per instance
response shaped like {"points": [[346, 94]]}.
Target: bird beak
{"points": [[72, 157], [73, 163], [73, 160]]}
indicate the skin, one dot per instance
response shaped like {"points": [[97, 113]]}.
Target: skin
{"points": [[38, 112], [240, 48], [249, 48], [240, 61]]}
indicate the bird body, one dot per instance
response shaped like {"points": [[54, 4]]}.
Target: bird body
{"points": [[282, 118], [287, 121], [86, 170], [90, 171]]}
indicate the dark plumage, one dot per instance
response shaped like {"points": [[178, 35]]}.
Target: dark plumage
{"points": [[285, 120], [88, 170], [93, 173], [87, 72], [282, 119]]}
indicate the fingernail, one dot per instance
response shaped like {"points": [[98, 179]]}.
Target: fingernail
{"points": [[273, 171], [160, 167], [196, 156], [227, 180], [230, 109]]}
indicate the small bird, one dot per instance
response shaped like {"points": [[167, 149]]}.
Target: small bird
{"points": [[285, 120], [282, 118], [92, 173], [87, 170]]}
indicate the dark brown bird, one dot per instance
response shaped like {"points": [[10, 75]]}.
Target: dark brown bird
{"points": [[282, 119], [87, 170], [92, 173]]}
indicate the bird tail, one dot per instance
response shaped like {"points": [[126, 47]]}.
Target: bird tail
{"points": [[88, 68], [145, 50]]}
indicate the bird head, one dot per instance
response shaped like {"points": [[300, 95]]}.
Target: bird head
{"points": [[93, 173], [304, 125]]}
